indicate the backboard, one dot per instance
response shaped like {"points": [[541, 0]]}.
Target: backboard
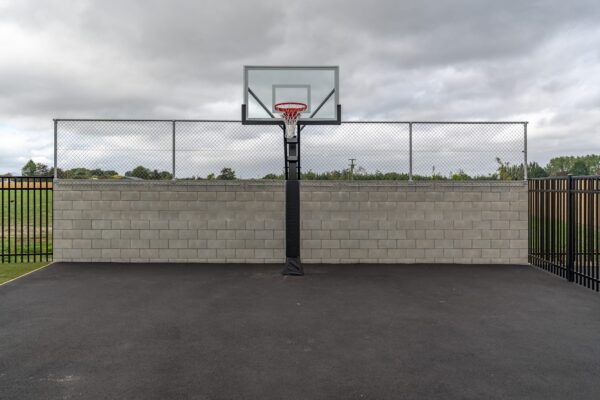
{"points": [[317, 87]]}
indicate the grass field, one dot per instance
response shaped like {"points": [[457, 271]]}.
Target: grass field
{"points": [[12, 270], [553, 233], [32, 211]]}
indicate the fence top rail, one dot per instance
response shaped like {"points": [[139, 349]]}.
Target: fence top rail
{"points": [[344, 122], [562, 177]]}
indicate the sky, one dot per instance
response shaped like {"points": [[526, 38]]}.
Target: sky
{"points": [[535, 61]]}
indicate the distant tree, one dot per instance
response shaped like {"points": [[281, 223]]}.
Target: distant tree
{"points": [[102, 174], [273, 176], [460, 176], [558, 166], [165, 175], [535, 170], [41, 169], [142, 172], [210, 176], [7, 175], [139, 172], [28, 169], [579, 168], [227, 174], [35, 169], [508, 172], [574, 165], [78, 173]]}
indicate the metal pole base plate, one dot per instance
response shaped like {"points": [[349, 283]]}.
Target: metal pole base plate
{"points": [[293, 266]]}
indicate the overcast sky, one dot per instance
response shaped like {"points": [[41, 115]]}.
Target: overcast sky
{"points": [[537, 61]]}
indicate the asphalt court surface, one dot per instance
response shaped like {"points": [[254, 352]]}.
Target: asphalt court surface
{"points": [[185, 331]]}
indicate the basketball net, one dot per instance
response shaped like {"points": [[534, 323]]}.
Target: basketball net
{"points": [[290, 114]]}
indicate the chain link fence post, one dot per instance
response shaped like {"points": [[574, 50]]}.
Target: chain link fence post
{"points": [[55, 149], [525, 151], [410, 152], [174, 151]]}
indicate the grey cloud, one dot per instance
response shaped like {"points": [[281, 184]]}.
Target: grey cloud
{"points": [[469, 59]]}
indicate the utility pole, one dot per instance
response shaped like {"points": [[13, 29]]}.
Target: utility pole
{"points": [[352, 168]]}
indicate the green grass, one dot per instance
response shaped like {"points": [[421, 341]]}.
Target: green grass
{"points": [[11, 202], [14, 206], [556, 231], [10, 271]]}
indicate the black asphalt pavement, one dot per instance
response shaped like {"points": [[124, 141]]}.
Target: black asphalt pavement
{"points": [[173, 331]]}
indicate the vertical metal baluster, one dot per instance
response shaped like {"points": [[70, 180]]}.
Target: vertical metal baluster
{"points": [[41, 220], [16, 227], [28, 198], [21, 218], [34, 223], [9, 181], [570, 230], [47, 216]]}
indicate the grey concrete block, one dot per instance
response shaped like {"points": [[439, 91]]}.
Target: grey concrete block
{"points": [[481, 243], [130, 253], [330, 244], [254, 244], [473, 234], [518, 244], [378, 234], [406, 243], [149, 234], [378, 253], [490, 234], [226, 234], [207, 234], [91, 234], [216, 244], [453, 234], [141, 224], [110, 195], [108, 254], [130, 234], [130, 196], [500, 224], [244, 253], [159, 224], [490, 253], [159, 243], [140, 243], [444, 244], [169, 234], [111, 234], [368, 244], [225, 254], [434, 234], [120, 224], [386, 244]]}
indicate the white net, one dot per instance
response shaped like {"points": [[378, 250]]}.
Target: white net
{"points": [[290, 113]]}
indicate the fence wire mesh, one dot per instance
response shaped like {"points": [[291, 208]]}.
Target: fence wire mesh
{"points": [[200, 149]]}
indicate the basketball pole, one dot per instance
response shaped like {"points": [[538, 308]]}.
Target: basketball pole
{"points": [[293, 265]]}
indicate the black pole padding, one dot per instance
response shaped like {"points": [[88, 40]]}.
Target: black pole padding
{"points": [[293, 266]]}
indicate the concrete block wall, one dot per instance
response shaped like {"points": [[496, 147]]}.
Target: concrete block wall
{"points": [[164, 221], [243, 221], [421, 222]]}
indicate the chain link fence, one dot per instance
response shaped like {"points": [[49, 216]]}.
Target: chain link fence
{"points": [[201, 149]]}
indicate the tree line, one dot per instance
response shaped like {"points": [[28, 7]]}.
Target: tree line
{"points": [[557, 166]]}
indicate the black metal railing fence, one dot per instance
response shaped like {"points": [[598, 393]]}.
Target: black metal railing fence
{"points": [[25, 219], [564, 227]]}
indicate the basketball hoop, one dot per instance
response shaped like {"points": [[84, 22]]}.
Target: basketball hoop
{"points": [[290, 113]]}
